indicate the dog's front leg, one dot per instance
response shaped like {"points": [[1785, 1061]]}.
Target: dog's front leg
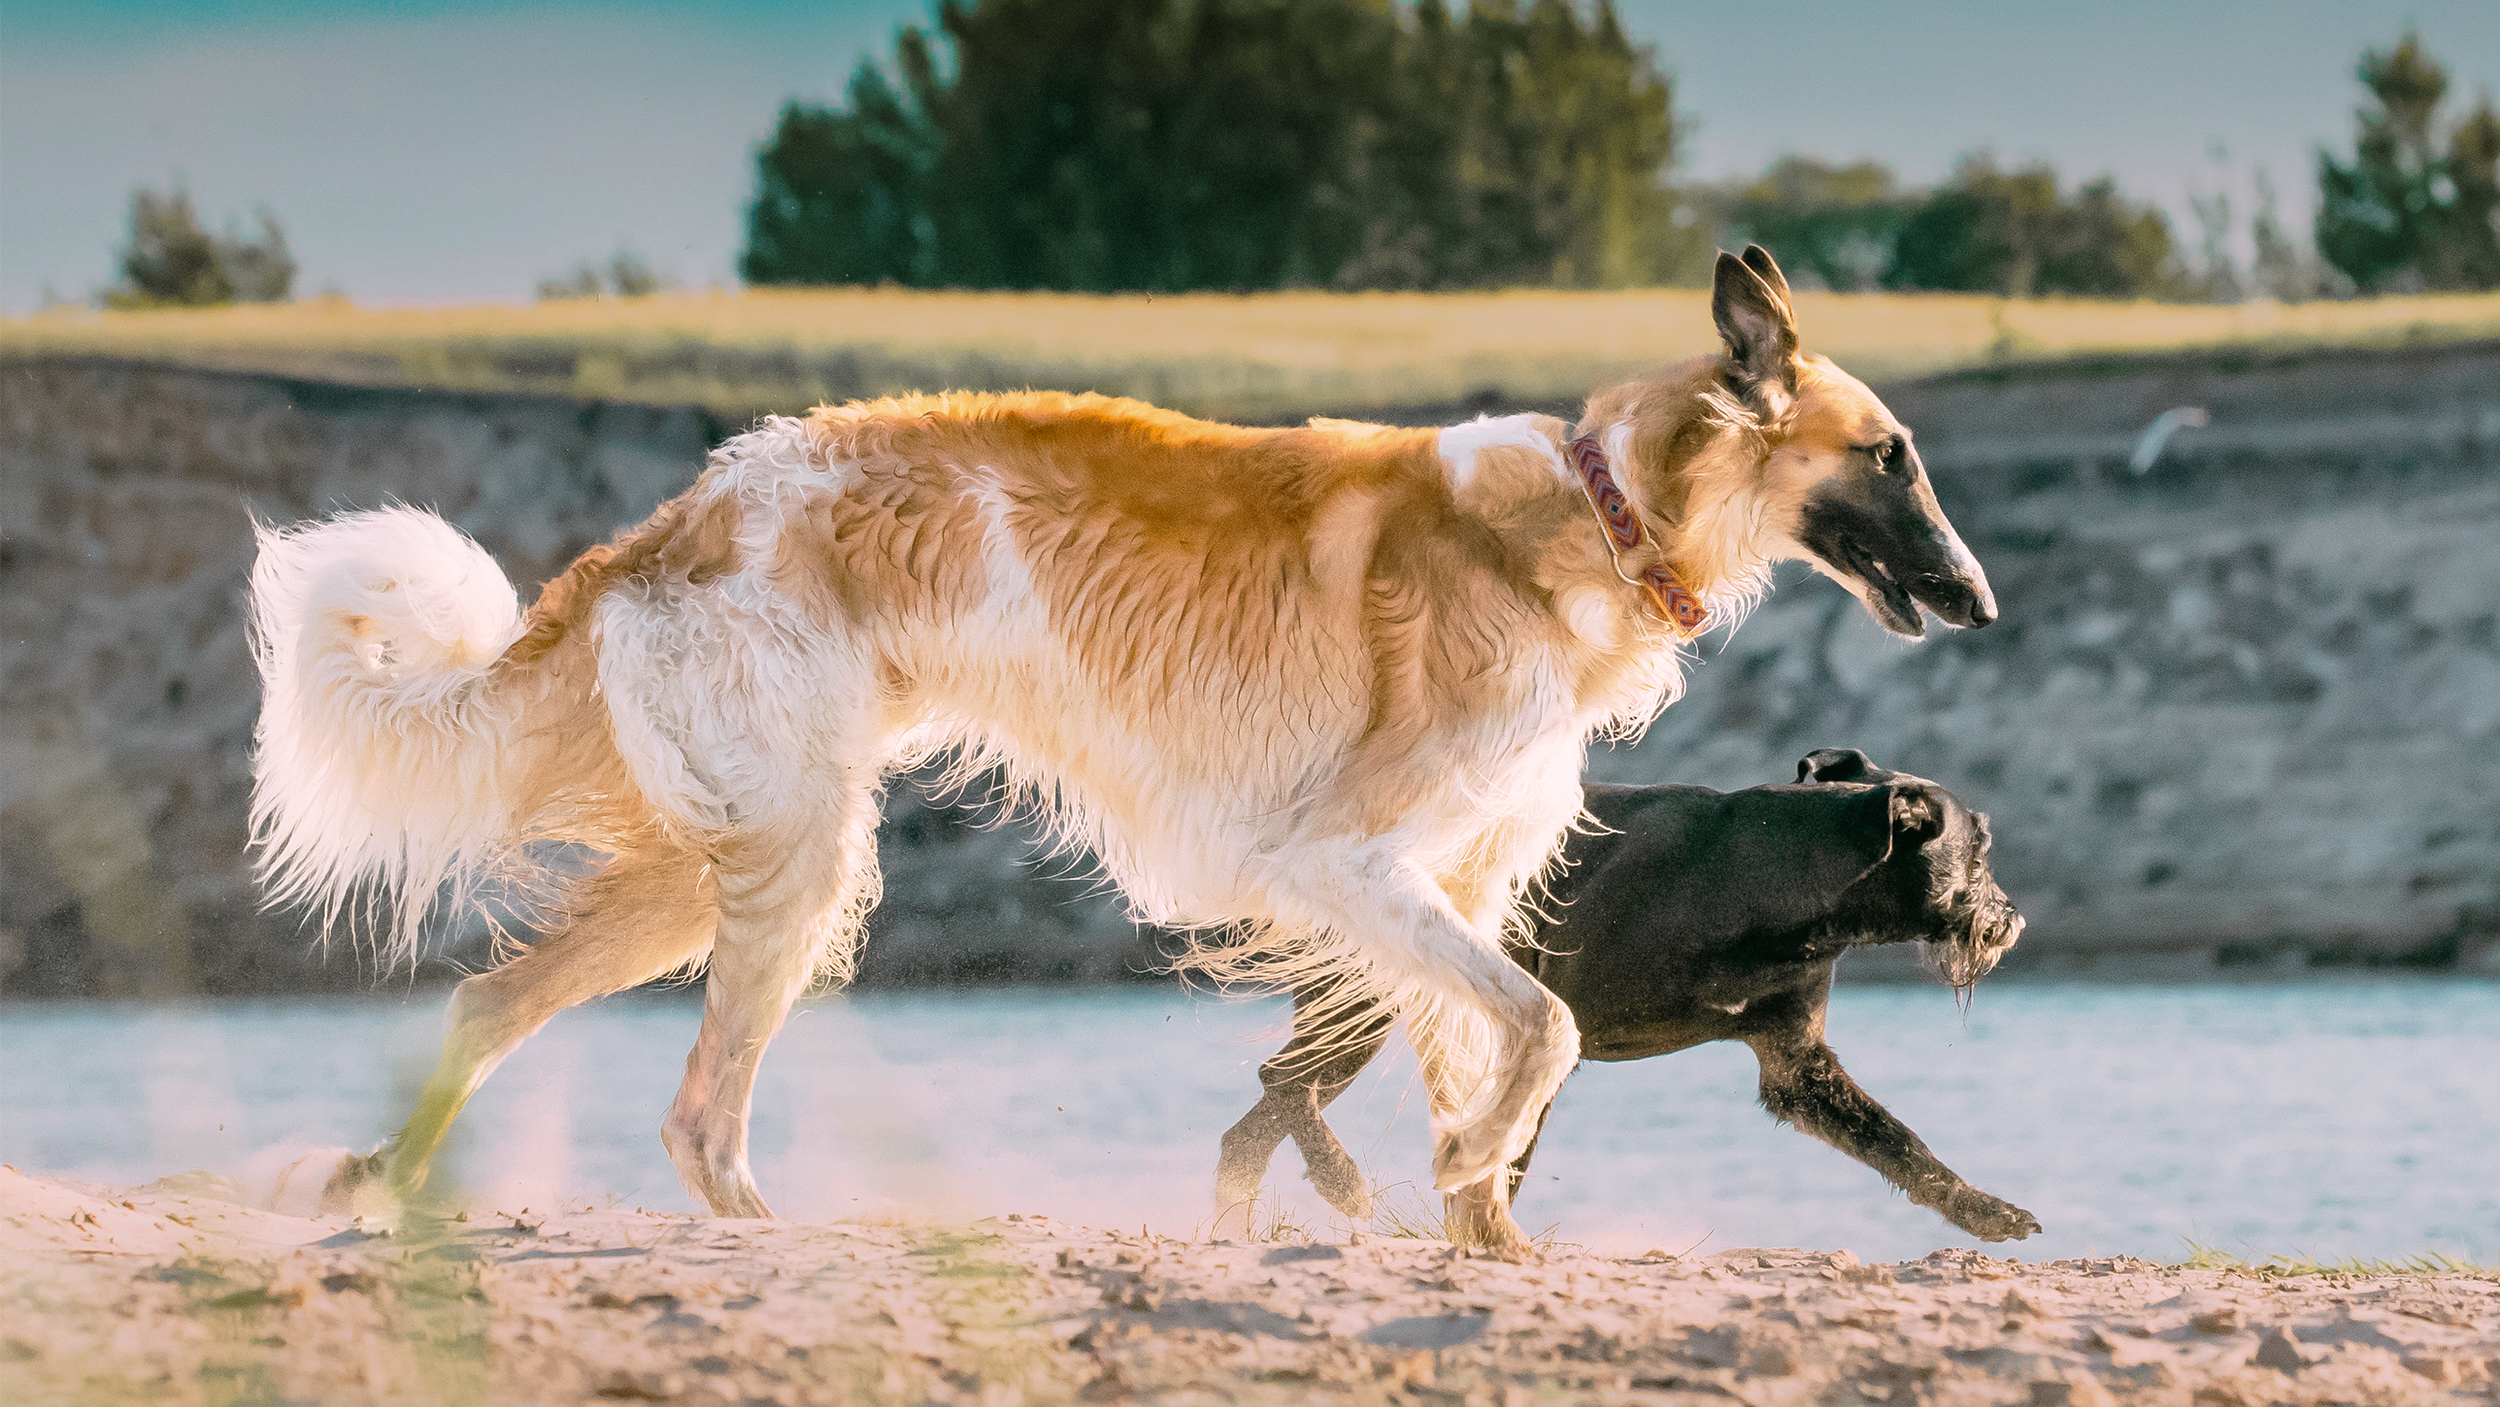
{"points": [[1495, 1045], [1803, 1085]]}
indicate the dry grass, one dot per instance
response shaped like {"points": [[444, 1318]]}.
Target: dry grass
{"points": [[2280, 1266], [1244, 356]]}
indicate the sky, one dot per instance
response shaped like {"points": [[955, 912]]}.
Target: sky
{"points": [[426, 152]]}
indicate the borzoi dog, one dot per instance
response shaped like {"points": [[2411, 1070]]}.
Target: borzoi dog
{"points": [[1327, 688], [1692, 916]]}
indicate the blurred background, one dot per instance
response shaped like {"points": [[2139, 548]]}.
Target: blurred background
{"points": [[2192, 307]]}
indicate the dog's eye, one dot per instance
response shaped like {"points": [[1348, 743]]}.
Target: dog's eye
{"points": [[1888, 455]]}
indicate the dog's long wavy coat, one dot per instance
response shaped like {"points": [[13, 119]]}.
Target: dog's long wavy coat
{"points": [[1328, 685]]}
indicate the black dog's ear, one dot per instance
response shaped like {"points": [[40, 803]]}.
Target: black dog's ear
{"points": [[1759, 328], [1917, 812], [1834, 764]]}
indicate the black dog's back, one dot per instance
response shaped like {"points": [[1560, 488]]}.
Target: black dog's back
{"points": [[1692, 907]]}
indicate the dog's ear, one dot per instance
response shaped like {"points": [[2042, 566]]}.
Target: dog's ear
{"points": [[1767, 269], [1758, 326], [1834, 764], [1918, 812]]}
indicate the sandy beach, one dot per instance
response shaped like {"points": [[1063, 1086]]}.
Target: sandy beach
{"points": [[170, 1293]]}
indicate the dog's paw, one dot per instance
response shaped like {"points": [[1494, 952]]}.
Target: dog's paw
{"points": [[354, 1184], [1477, 1219], [1335, 1175], [292, 1180], [1349, 1193], [1989, 1218]]}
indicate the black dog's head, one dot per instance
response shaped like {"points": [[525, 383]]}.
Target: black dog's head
{"points": [[1936, 886]]}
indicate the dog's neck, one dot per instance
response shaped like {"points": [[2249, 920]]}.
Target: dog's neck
{"points": [[1688, 459], [1690, 456], [1627, 535]]}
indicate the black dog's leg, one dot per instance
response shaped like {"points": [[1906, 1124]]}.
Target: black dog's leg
{"points": [[1803, 1085], [1314, 1068]]}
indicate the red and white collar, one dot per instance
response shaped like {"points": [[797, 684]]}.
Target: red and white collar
{"points": [[1675, 602]]}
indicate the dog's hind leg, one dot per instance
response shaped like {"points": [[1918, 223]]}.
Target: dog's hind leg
{"points": [[1803, 1085], [790, 894], [1321, 1058], [648, 911]]}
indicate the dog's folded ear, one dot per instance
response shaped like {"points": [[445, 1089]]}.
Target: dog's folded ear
{"points": [[1834, 764], [1917, 811]]}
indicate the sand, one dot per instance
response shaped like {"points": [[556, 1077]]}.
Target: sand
{"points": [[173, 1293]]}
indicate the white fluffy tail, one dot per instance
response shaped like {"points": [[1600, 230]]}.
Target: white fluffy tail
{"points": [[382, 752]]}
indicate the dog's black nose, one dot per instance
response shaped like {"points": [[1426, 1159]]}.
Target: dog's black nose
{"points": [[1961, 600]]}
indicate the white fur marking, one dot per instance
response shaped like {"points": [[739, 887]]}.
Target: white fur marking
{"points": [[1460, 444], [1618, 443]]}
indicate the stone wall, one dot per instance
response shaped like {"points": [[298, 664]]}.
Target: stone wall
{"points": [[2248, 701], [127, 693]]}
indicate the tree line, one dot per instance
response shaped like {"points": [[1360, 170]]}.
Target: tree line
{"points": [[1110, 145], [1170, 144], [2415, 208], [173, 261]]}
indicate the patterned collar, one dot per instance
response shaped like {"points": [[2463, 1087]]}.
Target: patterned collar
{"points": [[1682, 611]]}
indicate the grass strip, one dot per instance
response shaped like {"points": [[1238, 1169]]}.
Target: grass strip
{"points": [[1244, 356]]}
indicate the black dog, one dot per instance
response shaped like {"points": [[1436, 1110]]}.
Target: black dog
{"points": [[1711, 916]]}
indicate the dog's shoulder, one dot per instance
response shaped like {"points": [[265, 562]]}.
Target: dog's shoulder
{"points": [[1623, 820], [1607, 802]]}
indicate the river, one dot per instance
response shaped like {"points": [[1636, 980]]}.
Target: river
{"points": [[2346, 1118]]}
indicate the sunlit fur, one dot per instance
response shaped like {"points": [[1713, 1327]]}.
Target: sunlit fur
{"points": [[1323, 692]]}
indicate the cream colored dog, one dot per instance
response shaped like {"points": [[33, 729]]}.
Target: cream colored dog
{"points": [[1328, 688]]}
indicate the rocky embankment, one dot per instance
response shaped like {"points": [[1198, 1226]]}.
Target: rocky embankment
{"points": [[2246, 701], [2242, 704], [179, 1297]]}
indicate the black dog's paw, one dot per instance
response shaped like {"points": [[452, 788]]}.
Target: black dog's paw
{"points": [[1988, 1218], [1334, 1172]]}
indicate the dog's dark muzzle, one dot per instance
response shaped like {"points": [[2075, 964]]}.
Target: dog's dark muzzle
{"points": [[1960, 599], [1885, 532], [1977, 936]]}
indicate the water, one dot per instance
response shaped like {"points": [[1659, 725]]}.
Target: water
{"points": [[2350, 1119]]}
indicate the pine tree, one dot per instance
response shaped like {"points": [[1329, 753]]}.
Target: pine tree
{"points": [[1170, 144], [2404, 214], [171, 261]]}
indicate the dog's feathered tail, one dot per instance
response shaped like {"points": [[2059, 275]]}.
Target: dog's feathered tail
{"points": [[385, 762]]}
